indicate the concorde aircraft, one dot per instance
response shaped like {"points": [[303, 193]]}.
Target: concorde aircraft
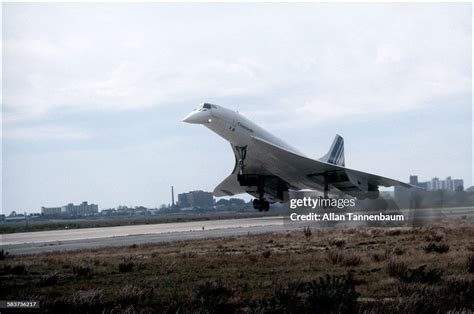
{"points": [[266, 167]]}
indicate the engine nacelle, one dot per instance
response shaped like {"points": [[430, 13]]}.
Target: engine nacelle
{"points": [[373, 192], [361, 183], [365, 189], [248, 179]]}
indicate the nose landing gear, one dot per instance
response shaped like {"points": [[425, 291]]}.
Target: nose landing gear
{"points": [[259, 204], [242, 154]]}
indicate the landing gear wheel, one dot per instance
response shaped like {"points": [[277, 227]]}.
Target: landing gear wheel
{"points": [[257, 205], [261, 205], [266, 206]]}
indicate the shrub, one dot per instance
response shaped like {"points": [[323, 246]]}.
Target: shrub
{"points": [[393, 232], [188, 254], [339, 243], [3, 255], [130, 294], [339, 258], [266, 253], [332, 294], [126, 266], [213, 297], [15, 269], [89, 300], [253, 258], [378, 257], [458, 291], [351, 260], [334, 257], [82, 270], [435, 235], [420, 275], [307, 233], [470, 263], [287, 298], [396, 267], [438, 248], [411, 304], [406, 289], [398, 251], [80, 301], [49, 279], [329, 294]]}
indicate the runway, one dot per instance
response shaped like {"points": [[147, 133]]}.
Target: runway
{"points": [[90, 238], [93, 238]]}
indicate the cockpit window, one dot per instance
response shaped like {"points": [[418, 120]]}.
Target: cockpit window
{"points": [[207, 106]]}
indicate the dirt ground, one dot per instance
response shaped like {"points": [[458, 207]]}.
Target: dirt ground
{"points": [[332, 270]]}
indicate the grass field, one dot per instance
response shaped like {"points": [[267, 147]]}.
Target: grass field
{"points": [[408, 270]]}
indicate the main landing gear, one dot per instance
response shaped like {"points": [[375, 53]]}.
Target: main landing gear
{"points": [[259, 204], [326, 185]]}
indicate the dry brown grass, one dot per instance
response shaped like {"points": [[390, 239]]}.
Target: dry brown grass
{"points": [[470, 263], [337, 242], [396, 267], [165, 272], [343, 259], [436, 247], [435, 234]]}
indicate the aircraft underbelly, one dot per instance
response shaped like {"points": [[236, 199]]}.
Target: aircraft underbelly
{"points": [[264, 163]]}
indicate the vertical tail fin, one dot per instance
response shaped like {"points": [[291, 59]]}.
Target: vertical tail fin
{"points": [[335, 155]]}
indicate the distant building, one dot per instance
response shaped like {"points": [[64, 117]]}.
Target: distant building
{"points": [[82, 209], [435, 184], [447, 185], [199, 199], [414, 181], [51, 210], [14, 216]]}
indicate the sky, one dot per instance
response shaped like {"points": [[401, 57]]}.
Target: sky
{"points": [[93, 94]]}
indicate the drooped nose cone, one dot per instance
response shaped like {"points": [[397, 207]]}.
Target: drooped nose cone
{"points": [[198, 117]]}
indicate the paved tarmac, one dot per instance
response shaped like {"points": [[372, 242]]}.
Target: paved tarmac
{"points": [[89, 238], [92, 238]]}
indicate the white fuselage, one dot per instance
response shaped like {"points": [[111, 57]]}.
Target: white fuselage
{"points": [[269, 158], [233, 127]]}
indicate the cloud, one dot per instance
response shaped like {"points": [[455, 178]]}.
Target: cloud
{"points": [[32, 48], [388, 54], [324, 68], [45, 133], [112, 81], [390, 62]]}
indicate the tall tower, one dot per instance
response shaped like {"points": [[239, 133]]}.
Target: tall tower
{"points": [[172, 196]]}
